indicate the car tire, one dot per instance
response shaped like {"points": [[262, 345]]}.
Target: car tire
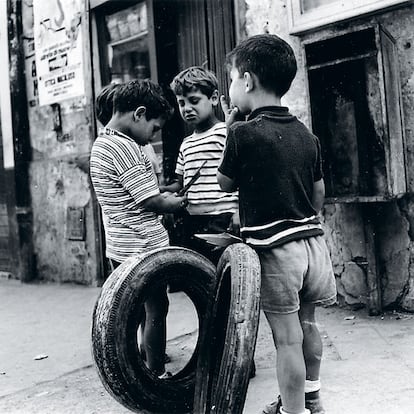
{"points": [[228, 338], [117, 315]]}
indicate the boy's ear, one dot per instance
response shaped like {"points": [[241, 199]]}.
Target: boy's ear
{"points": [[249, 81], [139, 113], [215, 97]]}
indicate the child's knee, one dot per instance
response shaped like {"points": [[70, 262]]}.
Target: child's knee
{"points": [[289, 338], [309, 328], [286, 329]]}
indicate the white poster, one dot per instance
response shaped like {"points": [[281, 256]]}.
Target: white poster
{"points": [[58, 46]]}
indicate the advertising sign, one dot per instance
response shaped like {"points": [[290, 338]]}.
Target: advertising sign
{"points": [[58, 36]]}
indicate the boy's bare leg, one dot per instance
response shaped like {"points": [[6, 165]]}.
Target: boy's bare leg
{"points": [[312, 351], [312, 342], [156, 308], [288, 339]]}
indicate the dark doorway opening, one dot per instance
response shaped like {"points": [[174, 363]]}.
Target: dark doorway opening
{"points": [[344, 103]]}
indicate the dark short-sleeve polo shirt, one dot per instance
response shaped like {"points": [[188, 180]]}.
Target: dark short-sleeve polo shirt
{"points": [[274, 160]]}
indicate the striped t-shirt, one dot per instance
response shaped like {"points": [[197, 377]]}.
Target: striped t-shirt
{"points": [[123, 178], [205, 196]]}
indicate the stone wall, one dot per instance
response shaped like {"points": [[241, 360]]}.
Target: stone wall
{"points": [[65, 244]]}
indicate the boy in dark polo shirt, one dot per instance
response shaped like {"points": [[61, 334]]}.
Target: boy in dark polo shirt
{"points": [[275, 163]]}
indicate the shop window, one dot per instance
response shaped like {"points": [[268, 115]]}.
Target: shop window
{"points": [[127, 47], [355, 101], [308, 14]]}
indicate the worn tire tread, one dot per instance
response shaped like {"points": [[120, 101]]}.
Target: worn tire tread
{"points": [[123, 372], [223, 374]]}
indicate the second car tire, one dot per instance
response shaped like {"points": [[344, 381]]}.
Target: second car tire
{"points": [[228, 339]]}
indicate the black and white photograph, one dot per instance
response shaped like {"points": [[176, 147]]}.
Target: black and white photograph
{"points": [[207, 206]]}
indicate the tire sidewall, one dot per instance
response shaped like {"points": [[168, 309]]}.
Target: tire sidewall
{"points": [[116, 318]]}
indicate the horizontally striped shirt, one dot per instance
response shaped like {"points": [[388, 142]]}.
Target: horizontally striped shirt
{"points": [[274, 161], [205, 196], [123, 178]]}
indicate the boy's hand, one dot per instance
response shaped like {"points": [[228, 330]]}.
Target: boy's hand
{"points": [[182, 201], [165, 203], [174, 187], [179, 202], [230, 113]]}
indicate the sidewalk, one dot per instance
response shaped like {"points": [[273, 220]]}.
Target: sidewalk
{"points": [[368, 364]]}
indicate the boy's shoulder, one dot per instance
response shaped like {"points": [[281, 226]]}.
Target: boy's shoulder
{"points": [[256, 120], [116, 145], [108, 142], [107, 135], [242, 128], [218, 129]]}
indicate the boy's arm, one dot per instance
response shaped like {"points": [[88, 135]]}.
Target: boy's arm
{"points": [[177, 184], [228, 159], [318, 195], [226, 184], [163, 203], [174, 187]]}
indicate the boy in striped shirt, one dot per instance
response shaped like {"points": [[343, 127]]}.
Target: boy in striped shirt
{"points": [[128, 193], [210, 210], [104, 108], [275, 163]]}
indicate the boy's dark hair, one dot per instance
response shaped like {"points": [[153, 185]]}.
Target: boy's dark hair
{"points": [[192, 78], [104, 103], [269, 57], [129, 96]]}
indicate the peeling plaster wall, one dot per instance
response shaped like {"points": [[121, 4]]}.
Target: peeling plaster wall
{"points": [[393, 221], [272, 16], [393, 252], [397, 245], [58, 258], [59, 178], [344, 232]]}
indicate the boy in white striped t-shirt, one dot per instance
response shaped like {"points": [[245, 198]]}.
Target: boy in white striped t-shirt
{"points": [[210, 210], [128, 193]]}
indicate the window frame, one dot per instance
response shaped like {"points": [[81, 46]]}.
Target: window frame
{"points": [[338, 11]]}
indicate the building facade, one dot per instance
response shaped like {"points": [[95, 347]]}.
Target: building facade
{"points": [[354, 89]]}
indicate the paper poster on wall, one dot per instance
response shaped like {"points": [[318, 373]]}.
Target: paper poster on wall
{"points": [[58, 45], [30, 68]]}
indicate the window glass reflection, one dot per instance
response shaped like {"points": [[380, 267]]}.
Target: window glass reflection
{"points": [[309, 5], [128, 56]]}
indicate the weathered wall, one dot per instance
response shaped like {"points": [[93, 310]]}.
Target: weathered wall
{"points": [[59, 178], [395, 233], [344, 223]]}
